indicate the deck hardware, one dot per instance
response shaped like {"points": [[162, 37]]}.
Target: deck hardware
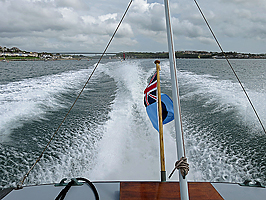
{"points": [[249, 184], [63, 183]]}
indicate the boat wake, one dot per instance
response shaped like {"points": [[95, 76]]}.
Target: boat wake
{"points": [[108, 135]]}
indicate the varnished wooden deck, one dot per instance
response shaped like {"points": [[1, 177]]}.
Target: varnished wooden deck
{"points": [[166, 190]]}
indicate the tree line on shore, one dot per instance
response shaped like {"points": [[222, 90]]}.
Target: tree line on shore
{"points": [[194, 54], [15, 53]]}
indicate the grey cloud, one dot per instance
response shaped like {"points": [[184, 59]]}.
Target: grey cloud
{"points": [[87, 25]]}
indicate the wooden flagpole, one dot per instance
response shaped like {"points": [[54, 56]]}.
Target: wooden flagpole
{"points": [[160, 115]]}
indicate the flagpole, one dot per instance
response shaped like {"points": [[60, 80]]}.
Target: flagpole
{"points": [[160, 115], [175, 96]]}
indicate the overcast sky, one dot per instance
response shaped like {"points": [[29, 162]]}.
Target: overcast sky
{"points": [[87, 25]]}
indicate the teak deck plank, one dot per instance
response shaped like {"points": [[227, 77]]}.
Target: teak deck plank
{"points": [[166, 190]]}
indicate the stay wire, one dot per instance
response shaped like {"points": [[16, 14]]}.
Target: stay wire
{"points": [[238, 79], [107, 46]]}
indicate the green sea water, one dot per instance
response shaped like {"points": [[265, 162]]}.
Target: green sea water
{"points": [[108, 136]]}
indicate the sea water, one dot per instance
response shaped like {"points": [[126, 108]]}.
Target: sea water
{"points": [[108, 136]]}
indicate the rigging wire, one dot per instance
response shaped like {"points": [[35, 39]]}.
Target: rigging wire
{"points": [[38, 159], [239, 81]]}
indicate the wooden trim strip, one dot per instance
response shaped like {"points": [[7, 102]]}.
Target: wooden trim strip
{"points": [[166, 190]]}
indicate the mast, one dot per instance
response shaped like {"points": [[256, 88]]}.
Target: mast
{"points": [[176, 102]]}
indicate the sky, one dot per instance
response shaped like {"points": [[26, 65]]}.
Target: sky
{"points": [[87, 25]]}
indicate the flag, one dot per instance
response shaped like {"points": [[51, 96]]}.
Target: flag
{"points": [[150, 102], [151, 91]]}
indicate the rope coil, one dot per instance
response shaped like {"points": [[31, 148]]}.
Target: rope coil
{"points": [[63, 192], [183, 166]]}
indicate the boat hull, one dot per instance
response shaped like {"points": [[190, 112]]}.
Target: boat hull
{"points": [[138, 190]]}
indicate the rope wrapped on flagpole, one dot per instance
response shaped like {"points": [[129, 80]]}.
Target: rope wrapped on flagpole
{"points": [[183, 166]]}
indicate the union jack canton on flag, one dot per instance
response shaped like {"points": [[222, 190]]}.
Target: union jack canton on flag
{"points": [[151, 91]]}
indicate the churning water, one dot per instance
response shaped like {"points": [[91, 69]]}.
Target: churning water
{"points": [[108, 136]]}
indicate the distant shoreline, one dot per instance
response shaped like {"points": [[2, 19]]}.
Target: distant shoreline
{"points": [[34, 56], [38, 60]]}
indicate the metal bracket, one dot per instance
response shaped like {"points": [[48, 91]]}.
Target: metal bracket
{"points": [[248, 183], [63, 183]]}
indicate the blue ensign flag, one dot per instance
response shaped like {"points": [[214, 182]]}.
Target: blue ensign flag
{"points": [[150, 101]]}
